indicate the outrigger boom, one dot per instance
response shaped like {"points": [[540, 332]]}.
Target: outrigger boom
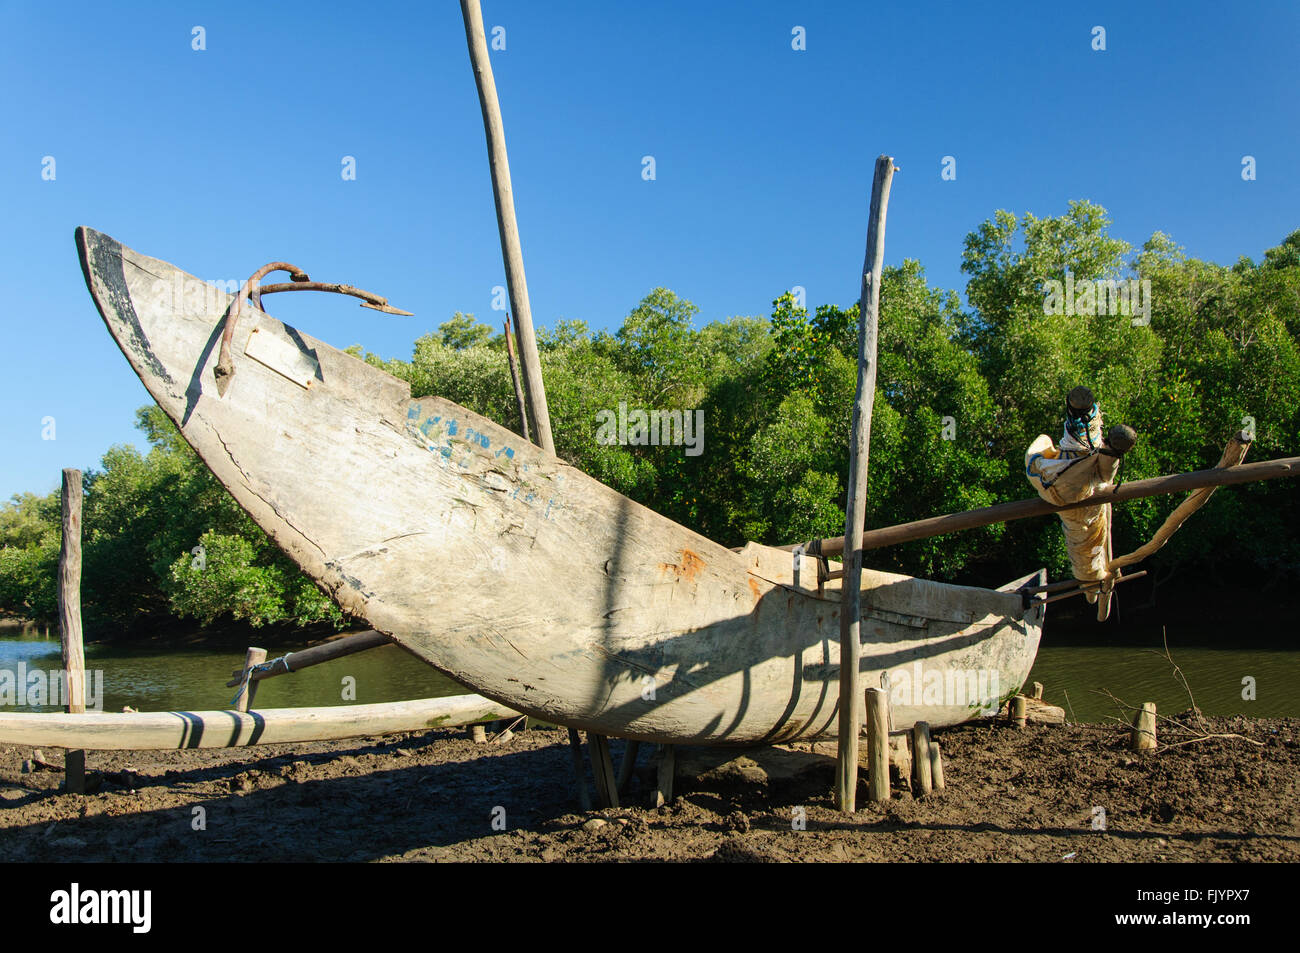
{"points": [[1023, 509]]}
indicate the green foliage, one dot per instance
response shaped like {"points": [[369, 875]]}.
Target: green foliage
{"points": [[461, 331], [142, 516], [960, 393], [237, 577]]}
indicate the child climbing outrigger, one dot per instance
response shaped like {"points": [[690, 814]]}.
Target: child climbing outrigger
{"points": [[1080, 467]]}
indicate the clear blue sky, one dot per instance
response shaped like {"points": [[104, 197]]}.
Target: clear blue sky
{"points": [[222, 159]]}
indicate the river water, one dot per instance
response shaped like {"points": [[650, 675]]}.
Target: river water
{"points": [[194, 678]]}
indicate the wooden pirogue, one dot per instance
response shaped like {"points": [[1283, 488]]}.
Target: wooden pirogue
{"points": [[519, 576]]}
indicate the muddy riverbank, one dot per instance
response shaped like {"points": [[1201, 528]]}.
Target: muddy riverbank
{"points": [[1012, 795]]}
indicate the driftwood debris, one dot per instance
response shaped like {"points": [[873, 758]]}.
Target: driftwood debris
{"points": [[1036, 711], [1233, 454]]}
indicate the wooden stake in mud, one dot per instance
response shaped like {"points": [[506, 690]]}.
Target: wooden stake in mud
{"points": [[602, 769], [1019, 711], [663, 793], [254, 656], [1143, 737], [579, 772], [901, 757], [74, 656], [850, 715], [936, 765], [921, 758], [878, 744], [511, 251], [630, 750]]}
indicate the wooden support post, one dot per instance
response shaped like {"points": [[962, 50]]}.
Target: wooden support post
{"points": [[667, 769], [851, 698], [1038, 690], [901, 756], [921, 756], [478, 734], [878, 744], [507, 225], [936, 765], [579, 772], [602, 769], [630, 750], [1019, 711], [74, 656], [254, 656], [1143, 737]]}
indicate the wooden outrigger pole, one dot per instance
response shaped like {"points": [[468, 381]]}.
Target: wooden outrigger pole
{"points": [[1280, 468], [174, 730], [325, 652]]}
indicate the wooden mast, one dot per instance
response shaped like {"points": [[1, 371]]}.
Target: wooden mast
{"points": [[846, 773], [511, 251], [529, 361]]}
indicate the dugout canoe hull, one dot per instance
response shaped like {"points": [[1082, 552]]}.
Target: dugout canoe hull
{"points": [[514, 573]]}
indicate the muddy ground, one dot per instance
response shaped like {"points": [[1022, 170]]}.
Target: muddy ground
{"points": [[1012, 795]]}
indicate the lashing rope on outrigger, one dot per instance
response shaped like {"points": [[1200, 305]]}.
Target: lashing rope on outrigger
{"points": [[259, 667]]}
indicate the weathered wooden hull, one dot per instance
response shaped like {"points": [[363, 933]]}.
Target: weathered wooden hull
{"points": [[514, 573]]}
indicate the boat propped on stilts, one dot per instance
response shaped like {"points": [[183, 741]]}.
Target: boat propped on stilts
{"points": [[514, 573]]}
